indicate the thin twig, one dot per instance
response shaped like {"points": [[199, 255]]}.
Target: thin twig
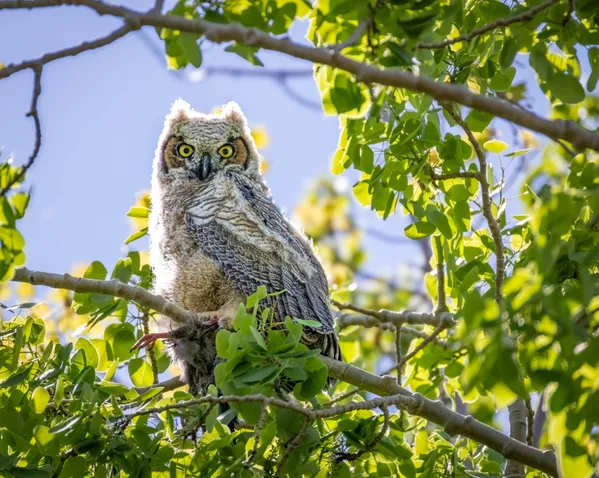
{"points": [[360, 30], [441, 299], [158, 7], [34, 114], [372, 445], [257, 434], [355, 37], [531, 422], [571, 7], [145, 321], [458, 174], [343, 396], [502, 22], [398, 366], [486, 200], [398, 353], [348, 320], [292, 445], [398, 318], [539, 420]]}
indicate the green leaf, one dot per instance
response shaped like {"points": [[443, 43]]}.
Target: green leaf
{"points": [[362, 194], [520, 152], [508, 52], [419, 229], [39, 399], [96, 270], [74, 467], [122, 270], [66, 425], [566, 88], [478, 120], [16, 378], [189, 45], [260, 374], [540, 63], [222, 343], [366, 159], [258, 337], [140, 372], [309, 323], [440, 220], [136, 235], [91, 354], [246, 52]]}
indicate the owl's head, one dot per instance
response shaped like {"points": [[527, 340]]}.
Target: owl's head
{"points": [[196, 146]]}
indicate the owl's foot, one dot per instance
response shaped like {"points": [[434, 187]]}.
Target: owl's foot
{"points": [[149, 340], [219, 322]]}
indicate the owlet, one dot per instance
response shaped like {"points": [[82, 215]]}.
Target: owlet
{"points": [[216, 235]]}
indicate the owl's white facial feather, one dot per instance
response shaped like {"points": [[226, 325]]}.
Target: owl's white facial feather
{"points": [[206, 134]]}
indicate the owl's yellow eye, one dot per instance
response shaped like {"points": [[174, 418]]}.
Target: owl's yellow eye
{"points": [[185, 150], [226, 151]]}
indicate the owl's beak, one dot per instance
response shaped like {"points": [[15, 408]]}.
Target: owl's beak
{"points": [[203, 168]]}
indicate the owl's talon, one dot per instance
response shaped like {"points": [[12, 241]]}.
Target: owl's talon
{"points": [[149, 340]]}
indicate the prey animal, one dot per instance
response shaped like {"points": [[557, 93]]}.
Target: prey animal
{"points": [[216, 235]]}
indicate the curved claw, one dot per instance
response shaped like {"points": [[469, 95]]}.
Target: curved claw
{"points": [[149, 340]]}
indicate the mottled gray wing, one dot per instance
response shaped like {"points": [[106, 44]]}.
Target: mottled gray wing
{"points": [[248, 236]]}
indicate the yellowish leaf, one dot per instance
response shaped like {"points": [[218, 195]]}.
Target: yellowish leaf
{"points": [[421, 442], [495, 146], [264, 166], [25, 290], [454, 34], [260, 137]]}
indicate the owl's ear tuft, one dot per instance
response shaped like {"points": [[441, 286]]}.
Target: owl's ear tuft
{"points": [[233, 112], [179, 110]]}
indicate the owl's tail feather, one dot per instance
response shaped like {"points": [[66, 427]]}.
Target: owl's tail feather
{"points": [[327, 343]]}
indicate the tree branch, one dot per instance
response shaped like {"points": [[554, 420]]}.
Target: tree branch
{"points": [[502, 22], [579, 137], [398, 318], [113, 287], [11, 69], [34, 114], [517, 418], [347, 320]]}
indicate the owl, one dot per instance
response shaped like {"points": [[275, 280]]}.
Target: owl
{"points": [[216, 235]]}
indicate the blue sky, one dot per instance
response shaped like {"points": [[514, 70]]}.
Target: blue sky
{"points": [[102, 113]]}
